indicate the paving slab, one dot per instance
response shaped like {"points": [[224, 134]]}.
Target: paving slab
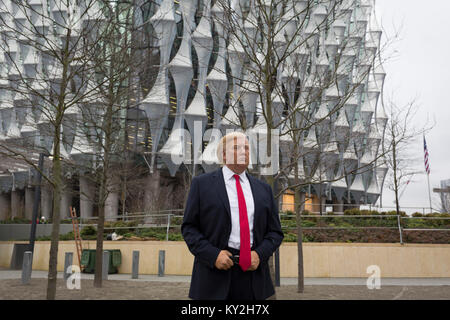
{"points": [[37, 274]]}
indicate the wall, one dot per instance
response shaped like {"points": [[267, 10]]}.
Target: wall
{"points": [[320, 259], [10, 232]]}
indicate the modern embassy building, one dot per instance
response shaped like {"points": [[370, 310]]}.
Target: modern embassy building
{"points": [[199, 83]]}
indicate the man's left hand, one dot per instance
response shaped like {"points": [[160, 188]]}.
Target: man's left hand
{"points": [[255, 261]]}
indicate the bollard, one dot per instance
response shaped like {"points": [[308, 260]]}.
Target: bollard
{"points": [[277, 268], [400, 228], [168, 226], [135, 269], [67, 263], [161, 264], [26, 267], [105, 265]]}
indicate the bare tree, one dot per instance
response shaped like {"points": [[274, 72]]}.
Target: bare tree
{"points": [[68, 67], [116, 66], [401, 133], [306, 72]]}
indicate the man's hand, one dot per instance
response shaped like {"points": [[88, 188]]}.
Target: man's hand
{"points": [[223, 261], [255, 261]]}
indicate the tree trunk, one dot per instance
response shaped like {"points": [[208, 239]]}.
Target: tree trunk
{"points": [[103, 192], [270, 180], [299, 205], [99, 247], [57, 175], [53, 261], [105, 180], [394, 169]]}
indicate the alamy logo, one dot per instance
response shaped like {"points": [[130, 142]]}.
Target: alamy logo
{"points": [[74, 280], [374, 280]]}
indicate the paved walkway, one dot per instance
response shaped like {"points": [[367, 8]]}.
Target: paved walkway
{"points": [[17, 274]]}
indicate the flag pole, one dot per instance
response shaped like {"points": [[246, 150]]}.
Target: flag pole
{"points": [[427, 169], [429, 193]]}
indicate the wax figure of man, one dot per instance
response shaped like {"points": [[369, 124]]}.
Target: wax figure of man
{"points": [[231, 226]]}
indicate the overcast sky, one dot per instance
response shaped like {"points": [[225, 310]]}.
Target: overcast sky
{"points": [[420, 68]]}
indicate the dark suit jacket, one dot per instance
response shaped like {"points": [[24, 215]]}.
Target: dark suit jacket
{"points": [[206, 229]]}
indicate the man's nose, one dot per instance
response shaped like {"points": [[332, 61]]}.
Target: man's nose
{"points": [[241, 148]]}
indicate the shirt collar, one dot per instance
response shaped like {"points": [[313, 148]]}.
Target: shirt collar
{"points": [[228, 174]]}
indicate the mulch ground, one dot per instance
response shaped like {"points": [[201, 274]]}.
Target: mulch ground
{"points": [[133, 290]]}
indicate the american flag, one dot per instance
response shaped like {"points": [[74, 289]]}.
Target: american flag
{"points": [[425, 150]]}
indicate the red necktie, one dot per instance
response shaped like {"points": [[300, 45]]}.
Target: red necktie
{"points": [[245, 259]]}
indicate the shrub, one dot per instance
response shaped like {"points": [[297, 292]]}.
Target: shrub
{"points": [[307, 238], [394, 213], [438, 215], [417, 214], [288, 223], [88, 231], [67, 236], [431, 215], [134, 223], [345, 225], [123, 227], [288, 215], [352, 212], [158, 233], [176, 221], [373, 213], [16, 220], [414, 223], [308, 223], [128, 235], [175, 237], [290, 237]]}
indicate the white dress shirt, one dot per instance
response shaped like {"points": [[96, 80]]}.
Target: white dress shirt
{"points": [[230, 184]]}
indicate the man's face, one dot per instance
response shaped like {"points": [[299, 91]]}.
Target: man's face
{"points": [[236, 152]]}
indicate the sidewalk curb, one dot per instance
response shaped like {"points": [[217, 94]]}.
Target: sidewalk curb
{"points": [[36, 274]]}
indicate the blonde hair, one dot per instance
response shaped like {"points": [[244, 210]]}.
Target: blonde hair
{"points": [[224, 140]]}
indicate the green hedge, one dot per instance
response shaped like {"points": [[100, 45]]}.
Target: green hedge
{"points": [[385, 219], [124, 227], [288, 223], [16, 221]]}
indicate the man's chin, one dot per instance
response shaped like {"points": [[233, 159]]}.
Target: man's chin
{"points": [[238, 167]]}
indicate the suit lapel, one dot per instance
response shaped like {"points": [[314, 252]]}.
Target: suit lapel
{"points": [[222, 190], [256, 200]]}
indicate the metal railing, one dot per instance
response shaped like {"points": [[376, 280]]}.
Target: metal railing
{"points": [[147, 220], [398, 218], [370, 207], [143, 220]]}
